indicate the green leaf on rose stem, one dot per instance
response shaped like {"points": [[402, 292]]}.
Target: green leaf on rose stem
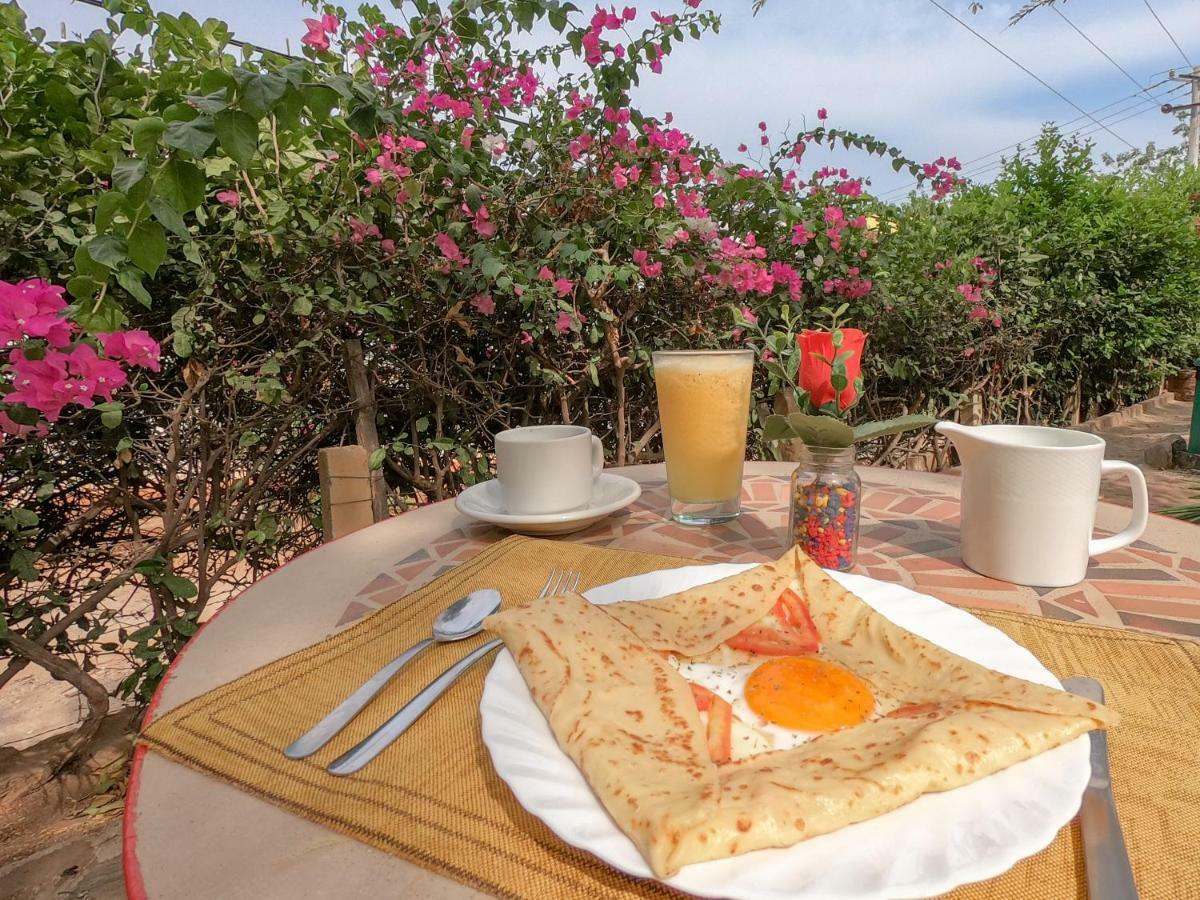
{"points": [[868, 430], [182, 185], [108, 250], [237, 133], [821, 431], [195, 136], [127, 172], [376, 459], [146, 133], [148, 247]]}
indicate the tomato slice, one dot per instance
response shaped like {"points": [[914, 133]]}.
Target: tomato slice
{"points": [[720, 730], [787, 630], [703, 697]]}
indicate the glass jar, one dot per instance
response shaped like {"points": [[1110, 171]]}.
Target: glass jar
{"points": [[825, 504]]}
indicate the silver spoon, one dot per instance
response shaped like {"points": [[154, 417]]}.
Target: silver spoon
{"points": [[461, 619]]}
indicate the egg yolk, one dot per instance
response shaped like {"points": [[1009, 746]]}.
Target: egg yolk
{"points": [[807, 694]]}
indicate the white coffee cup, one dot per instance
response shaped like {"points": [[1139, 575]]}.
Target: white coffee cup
{"points": [[547, 468]]}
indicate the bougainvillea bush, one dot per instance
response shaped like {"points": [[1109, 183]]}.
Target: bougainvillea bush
{"points": [[502, 233]]}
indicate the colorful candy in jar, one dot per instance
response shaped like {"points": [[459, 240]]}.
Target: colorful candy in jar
{"points": [[826, 522]]}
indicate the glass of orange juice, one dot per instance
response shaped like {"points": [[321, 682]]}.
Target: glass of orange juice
{"points": [[704, 408]]}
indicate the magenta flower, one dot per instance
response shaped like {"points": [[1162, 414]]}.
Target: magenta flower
{"points": [[484, 304], [563, 286], [563, 323], [136, 347], [33, 308], [447, 246], [525, 339], [230, 198], [96, 377], [545, 273], [822, 114], [315, 37]]}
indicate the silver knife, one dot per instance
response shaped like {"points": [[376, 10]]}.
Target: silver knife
{"points": [[1109, 876], [374, 744]]}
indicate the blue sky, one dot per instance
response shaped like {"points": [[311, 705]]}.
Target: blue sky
{"points": [[900, 69]]}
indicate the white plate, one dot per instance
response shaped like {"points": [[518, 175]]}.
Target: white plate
{"points": [[611, 492], [930, 846]]}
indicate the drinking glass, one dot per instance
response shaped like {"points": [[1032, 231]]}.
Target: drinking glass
{"points": [[704, 407]]}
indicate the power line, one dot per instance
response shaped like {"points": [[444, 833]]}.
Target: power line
{"points": [[1098, 48], [1150, 100], [1030, 73], [1167, 32], [991, 167]]}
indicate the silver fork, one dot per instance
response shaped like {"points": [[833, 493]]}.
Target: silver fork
{"points": [[558, 582]]}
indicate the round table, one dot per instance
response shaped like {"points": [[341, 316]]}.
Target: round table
{"points": [[188, 835]]}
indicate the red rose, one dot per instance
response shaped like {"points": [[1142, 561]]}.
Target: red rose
{"points": [[816, 349]]}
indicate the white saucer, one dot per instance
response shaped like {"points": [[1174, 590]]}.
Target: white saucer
{"points": [[611, 492]]}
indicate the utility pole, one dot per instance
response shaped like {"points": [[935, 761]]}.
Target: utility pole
{"points": [[1193, 108]]}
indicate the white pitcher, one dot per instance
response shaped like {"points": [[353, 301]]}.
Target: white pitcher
{"points": [[1029, 498]]}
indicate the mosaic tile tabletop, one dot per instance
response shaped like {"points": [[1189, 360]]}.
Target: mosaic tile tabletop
{"points": [[909, 535]]}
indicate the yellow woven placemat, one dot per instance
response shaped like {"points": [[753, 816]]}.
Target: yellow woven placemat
{"points": [[450, 813]]}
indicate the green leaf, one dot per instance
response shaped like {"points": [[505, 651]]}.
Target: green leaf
{"points": [[110, 414], [146, 133], [375, 461], [128, 172], [260, 93], [320, 100], [249, 439], [108, 250], [194, 136], [186, 627], [182, 185], [148, 247], [491, 267], [816, 431], [169, 217], [178, 586], [868, 430], [131, 280], [108, 205], [238, 134]]}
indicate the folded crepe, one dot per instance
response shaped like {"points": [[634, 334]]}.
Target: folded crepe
{"points": [[630, 722]]}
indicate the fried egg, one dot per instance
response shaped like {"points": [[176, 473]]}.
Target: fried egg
{"points": [[792, 701]]}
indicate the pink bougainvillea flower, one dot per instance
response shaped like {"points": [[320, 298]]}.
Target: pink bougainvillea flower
{"points": [[997, 321], [33, 308], [545, 273], [373, 176], [447, 246], [563, 286], [315, 37], [748, 315], [742, 148], [659, 201], [388, 246], [563, 323], [525, 339], [762, 126], [230, 198], [136, 347], [465, 137], [800, 234], [822, 114], [99, 377], [629, 13], [694, 4], [978, 312], [968, 353], [619, 179], [484, 304], [42, 384]]}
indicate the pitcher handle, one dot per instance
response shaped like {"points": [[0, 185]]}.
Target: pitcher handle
{"points": [[1141, 509]]}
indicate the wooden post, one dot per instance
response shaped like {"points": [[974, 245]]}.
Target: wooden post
{"points": [[362, 396], [345, 491]]}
